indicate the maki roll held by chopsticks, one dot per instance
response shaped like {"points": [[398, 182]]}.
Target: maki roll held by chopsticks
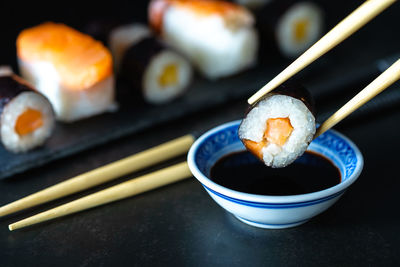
{"points": [[70, 68], [279, 127], [217, 36], [156, 71], [26, 116]]}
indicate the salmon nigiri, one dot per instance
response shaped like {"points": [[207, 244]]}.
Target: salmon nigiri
{"points": [[217, 36], [74, 71]]}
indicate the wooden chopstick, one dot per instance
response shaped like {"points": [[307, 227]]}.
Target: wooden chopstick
{"points": [[383, 81], [103, 174], [358, 18], [130, 188]]}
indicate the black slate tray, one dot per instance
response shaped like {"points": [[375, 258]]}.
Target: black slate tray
{"points": [[321, 78], [132, 117]]}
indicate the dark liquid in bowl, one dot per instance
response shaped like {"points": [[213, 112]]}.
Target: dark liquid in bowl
{"points": [[245, 173]]}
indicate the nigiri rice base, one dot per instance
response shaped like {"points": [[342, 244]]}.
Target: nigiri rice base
{"points": [[216, 48], [69, 104]]}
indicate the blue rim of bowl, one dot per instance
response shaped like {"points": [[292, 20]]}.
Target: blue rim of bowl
{"points": [[267, 200]]}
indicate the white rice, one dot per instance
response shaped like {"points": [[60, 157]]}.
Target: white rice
{"points": [[123, 37], [280, 106], [22, 143], [217, 47], [287, 43], [69, 104], [154, 92]]}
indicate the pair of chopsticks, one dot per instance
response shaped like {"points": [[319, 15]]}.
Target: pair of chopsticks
{"points": [[344, 29], [103, 174], [357, 19]]}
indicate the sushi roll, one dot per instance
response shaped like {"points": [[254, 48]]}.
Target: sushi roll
{"points": [[217, 36], [123, 37], [279, 128], [70, 68], [292, 26], [26, 117], [159, 73]]}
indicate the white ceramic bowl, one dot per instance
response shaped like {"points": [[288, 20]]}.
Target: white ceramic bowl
{"points": [[273, 211]]}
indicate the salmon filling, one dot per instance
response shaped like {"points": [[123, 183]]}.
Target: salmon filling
{"points": [[277, 132], [300, 30], [28, 121], [169, 76]]}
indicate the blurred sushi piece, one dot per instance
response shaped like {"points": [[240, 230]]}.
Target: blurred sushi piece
{"points": [[279, 128], [217, 36], [70, 68], [253, 4], [26, 116], [160, 73], [293, 26], [121, 38]]}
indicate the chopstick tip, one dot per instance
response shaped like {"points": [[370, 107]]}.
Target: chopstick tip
{"points": [[253, 99]]}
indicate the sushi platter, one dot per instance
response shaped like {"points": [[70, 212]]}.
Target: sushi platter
{"points": [[164, 132], [69, 139], [190, 56], [163, 71], [132, 117]]}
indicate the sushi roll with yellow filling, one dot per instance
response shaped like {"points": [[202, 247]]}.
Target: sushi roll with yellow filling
{"points": [[70, 68], [292, 26], [279, 128], [26, 117], [217, 36], [299, 27], [158, 72]]}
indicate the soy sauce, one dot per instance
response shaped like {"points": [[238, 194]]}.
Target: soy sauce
{"points": [[245, 173]]}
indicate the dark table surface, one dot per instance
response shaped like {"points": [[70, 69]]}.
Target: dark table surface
{"points": [[181, 225]]}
